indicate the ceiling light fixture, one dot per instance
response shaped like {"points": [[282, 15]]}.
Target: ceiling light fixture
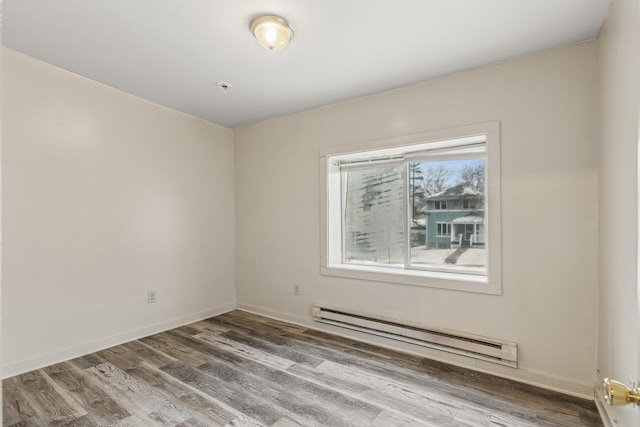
{"points": [[272, 32]]}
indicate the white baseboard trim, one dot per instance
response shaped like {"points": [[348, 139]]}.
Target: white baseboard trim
{"points": [[604, 409], [92, 346], [561, 385]]}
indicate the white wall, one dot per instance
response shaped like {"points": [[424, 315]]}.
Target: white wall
{"points": [[619, 64], [1, 32], [547, 107], [104, 197]]}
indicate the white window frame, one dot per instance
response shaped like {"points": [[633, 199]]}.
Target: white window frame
{"points": [[331, 263], [447, 227]]}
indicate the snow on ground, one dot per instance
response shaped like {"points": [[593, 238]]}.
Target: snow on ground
{"points": [[472, 257], [471, 261], [420, 255]]}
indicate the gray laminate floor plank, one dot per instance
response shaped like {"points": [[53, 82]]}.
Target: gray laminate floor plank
{"points": [[380, 366], [86, 421], [87, 392], [292, 404], [51, 404], [376, 365], [294, 391], [120, 357], [512, 392], [322, 385], [233, 395], [16, 410], [88, 361], [404, 402], [205, 325], [244, 370], [241, 349], [207, 409], [182, 354], [279, 347], [264, 375], [133, 421], [138, 398], [406, 380], [335, 349], [272, 324]]}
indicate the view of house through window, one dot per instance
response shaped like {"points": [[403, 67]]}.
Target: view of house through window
{"points": [[447, 214], [421, 212]]}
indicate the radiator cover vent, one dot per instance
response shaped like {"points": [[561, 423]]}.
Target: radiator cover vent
{"points": [[488, 349]]}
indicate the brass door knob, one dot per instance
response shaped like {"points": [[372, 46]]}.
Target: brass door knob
{"points": [[618, 394]]}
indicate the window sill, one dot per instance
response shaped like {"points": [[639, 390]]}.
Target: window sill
{"points": [[431, 279]]}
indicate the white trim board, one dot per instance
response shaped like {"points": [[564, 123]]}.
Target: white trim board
{"points": [[537, 379], [89, 347], [604, 409]]}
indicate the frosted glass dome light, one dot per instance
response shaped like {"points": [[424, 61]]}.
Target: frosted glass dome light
{"points": [[272, 32]]}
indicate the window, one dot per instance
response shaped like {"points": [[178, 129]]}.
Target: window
{"points": [[469, 204], [422, 210], [373, 211], [444, 229]]}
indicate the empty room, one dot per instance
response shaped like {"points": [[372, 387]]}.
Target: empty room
{"points": [[320, 213]]}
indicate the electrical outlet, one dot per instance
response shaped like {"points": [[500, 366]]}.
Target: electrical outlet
{"points": [[296, 289], [152, 297]]}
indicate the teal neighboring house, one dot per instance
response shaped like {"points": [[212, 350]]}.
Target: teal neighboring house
{"points": [[455, 218]]}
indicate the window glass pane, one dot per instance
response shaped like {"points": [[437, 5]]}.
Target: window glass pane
{"points": [[446, 199], [374, 216]]}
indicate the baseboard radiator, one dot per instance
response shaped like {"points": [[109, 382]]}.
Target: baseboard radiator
{"points": [[488, 349]]}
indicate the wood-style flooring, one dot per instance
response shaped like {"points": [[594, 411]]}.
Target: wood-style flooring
{"points": [[239, 369]]}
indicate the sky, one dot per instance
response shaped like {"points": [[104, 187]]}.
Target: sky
{"points": [[454, 165]]}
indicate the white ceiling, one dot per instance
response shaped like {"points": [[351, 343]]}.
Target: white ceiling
{"points": [[173, 52]]}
